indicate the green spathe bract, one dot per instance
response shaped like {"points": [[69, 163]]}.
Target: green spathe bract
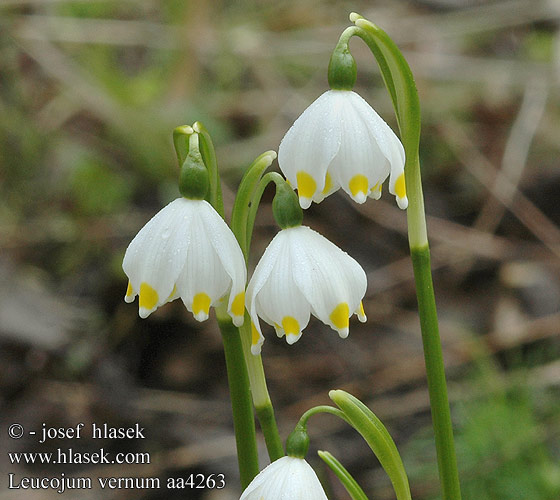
{"points": [[285, 207], [193, 177], [297, 443], [349, 483], [342, 71], [377, 437]]}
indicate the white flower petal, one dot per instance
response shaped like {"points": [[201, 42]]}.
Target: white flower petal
{"points": [[186, 250], [273, 296], [155, 257], [260, 276], [309, 146], [360, 164], [279, 302], [231, 257], [301, 272], [203, 279], [389, 144], [340, 133], [286, 478], [333, 282]]}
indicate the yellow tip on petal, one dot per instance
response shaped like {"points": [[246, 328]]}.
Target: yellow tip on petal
{"points": [[328, 184], [358, 186], [256, 340], [148, 299], [306, 185], [400, 186], [340, 318], [238, 304], [201, 306], [361, 313], [290, 325]]}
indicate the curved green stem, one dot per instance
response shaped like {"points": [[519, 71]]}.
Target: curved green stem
{"points": [[321, 409], [244, 200], [243, 419], [400, 83], [256, 199], [242, 222]]}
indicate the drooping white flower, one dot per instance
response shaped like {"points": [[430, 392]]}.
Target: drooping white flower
{"points": [[186, 250], [286, 478], [303, 273], [340, 141]]}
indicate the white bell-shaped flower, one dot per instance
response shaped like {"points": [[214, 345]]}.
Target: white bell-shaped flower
{"points": [[186, 250], [303, 273], [286, 478], [340, 141]]}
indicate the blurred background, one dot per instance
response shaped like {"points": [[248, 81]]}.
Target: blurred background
{"points": [[90, 92]]}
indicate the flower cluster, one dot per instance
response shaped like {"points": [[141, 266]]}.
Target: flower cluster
{"points": [[188, 251]]}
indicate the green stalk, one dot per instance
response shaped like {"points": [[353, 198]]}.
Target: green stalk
{"points": [[437, 387], [399, 81], [242, 220], [261, 398], [267, 420], [241, 404]]}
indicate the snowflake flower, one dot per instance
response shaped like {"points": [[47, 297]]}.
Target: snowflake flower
{"points": [[340, 141], [186, 250], [303, 273]]}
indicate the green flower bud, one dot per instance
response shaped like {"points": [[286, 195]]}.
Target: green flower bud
{"points": [[297, 443], [193, 177], [285, 207], [342, 68]]}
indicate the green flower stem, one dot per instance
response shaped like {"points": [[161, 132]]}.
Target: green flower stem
{"points": [[181, 142], [244, 201], [261, 398], [437, 387], [242, 221], [321, 409], [256, 199], [243, 419], [245, 208], [267, 420], [399, 81]]}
